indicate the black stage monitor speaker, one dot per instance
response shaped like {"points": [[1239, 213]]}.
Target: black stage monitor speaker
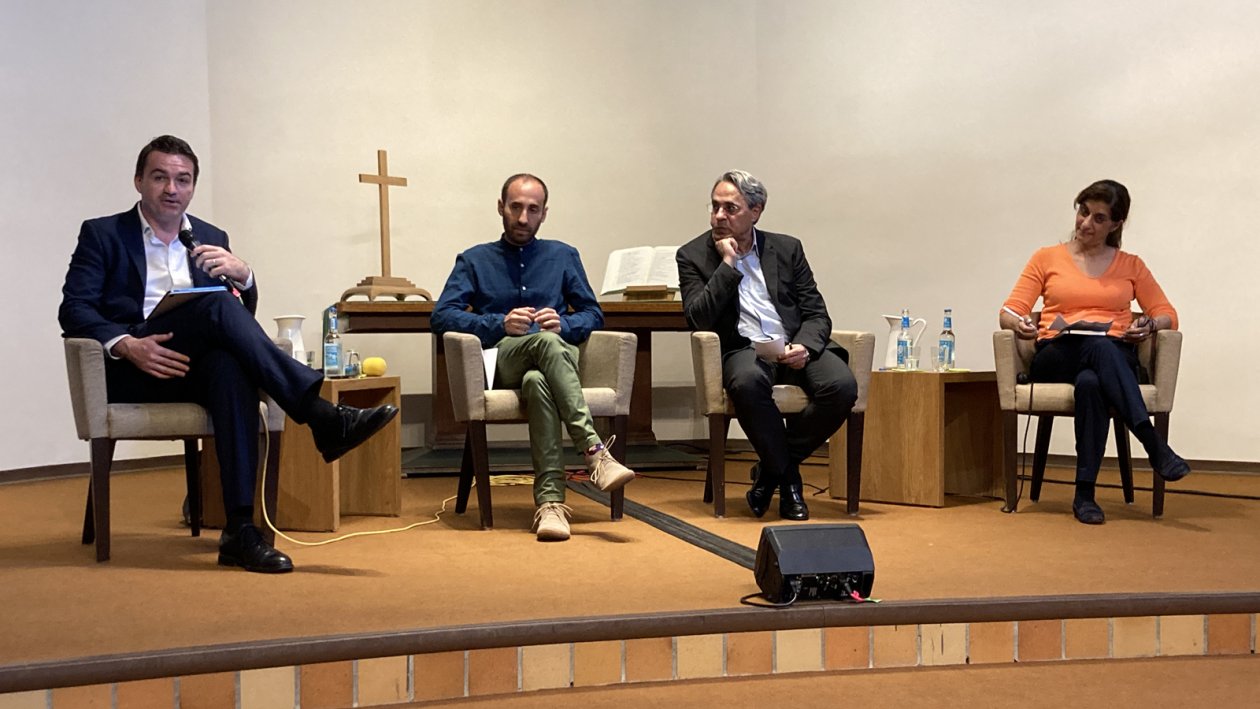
{"points": [[814, 561]]}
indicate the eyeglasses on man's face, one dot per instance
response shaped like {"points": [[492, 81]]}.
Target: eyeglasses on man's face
{"points": [[729, 208]]}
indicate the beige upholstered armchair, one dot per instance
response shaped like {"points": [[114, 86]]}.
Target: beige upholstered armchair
{"points": [[1160, 357], [606, 368], [104, 424], [706, 359]]}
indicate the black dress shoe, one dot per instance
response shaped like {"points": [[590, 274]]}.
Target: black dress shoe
{"points": [[792, 503], [1087, 512], [759, 494], [353, 426], [251, 552]]}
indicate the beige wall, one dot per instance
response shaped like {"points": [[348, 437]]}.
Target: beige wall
{"points": [[921, 152], [930, 148], [83, 86]]}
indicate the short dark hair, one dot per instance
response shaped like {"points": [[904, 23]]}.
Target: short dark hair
{"points": [[522, 176], [1116, 197], [172, 146]]}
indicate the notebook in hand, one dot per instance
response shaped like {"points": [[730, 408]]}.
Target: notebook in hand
{"points": [[178, 296], [1080, 327]]}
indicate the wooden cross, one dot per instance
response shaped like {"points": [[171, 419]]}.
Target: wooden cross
{"points": [[385, 284]]}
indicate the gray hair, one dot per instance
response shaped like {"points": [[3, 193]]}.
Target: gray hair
{"points": [[754, 192]]}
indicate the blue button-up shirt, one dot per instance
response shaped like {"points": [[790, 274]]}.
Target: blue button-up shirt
{"points": [[490, 280]]}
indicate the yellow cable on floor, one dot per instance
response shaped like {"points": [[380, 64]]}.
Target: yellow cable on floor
{"points": [[267, 518]]}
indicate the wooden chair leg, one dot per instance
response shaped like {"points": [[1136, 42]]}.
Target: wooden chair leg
{"points": [[617, 500], [1010, 435], [271, 490], [853, 460], [98, 496], [481, 471], [1124, 456], [89, 519], [1044, 425], [715, 479], [708, 464], [1157, 489], [192, 479], [465, 476]]}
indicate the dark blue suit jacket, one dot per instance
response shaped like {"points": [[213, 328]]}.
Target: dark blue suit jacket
{"points": [[103, 296]]}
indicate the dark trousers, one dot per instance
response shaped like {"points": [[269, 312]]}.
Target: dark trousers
{"points": [[1104, 371], [232, 358], [780, 445]]}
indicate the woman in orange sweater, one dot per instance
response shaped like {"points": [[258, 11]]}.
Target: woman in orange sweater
{"points": [[1089, 279]]}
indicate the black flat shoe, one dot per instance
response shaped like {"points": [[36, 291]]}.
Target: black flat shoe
{"points": [[1171, 467], [1088, 512], [353, 427], [792, 503], [248, 550]]}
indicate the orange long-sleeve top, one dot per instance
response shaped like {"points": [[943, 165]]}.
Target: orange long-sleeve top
{"points": [[1065, 290]]}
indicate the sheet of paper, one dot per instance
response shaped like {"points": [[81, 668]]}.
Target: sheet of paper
{"points": [[664, 269], [490, 360], [769, 350]]}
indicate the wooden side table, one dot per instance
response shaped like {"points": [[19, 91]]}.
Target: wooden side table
{"points": [[313, 494], [928, 434]]}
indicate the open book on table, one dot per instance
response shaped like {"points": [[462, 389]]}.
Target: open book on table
{"points": [[1080, 327], [640, 266], [178, 296]]}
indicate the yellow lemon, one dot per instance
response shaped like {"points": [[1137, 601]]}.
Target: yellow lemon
{"points": [[374, 366]]}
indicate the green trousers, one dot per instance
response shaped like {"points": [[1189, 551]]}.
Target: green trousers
{"points": [[545, 369]]}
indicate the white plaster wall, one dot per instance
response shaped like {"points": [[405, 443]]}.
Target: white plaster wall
{"points": [[922, 151], [83, 86]]}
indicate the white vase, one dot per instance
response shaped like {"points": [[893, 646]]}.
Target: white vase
{"points": [[290, 328]]}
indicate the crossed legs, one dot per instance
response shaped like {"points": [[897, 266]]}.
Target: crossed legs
{"points": [[781, 444]]}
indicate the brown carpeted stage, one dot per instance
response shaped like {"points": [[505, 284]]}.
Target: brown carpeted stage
{"points": [[161, 608]]}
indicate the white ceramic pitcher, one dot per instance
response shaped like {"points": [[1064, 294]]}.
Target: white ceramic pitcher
{"points": [[291, 329], [894, 329]]}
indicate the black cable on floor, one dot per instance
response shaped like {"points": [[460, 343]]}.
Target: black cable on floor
{"points": [[1167, 490], [725, 548]]}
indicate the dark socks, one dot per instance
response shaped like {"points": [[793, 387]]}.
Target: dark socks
{"points": [[237, 518], [1149, 438], [317, 412]]}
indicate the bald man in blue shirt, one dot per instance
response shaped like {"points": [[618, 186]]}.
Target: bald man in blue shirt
{"points": [[516, 294]]}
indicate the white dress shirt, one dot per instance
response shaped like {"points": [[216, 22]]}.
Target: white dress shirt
{"points": [[758, 320], [167, 267]]}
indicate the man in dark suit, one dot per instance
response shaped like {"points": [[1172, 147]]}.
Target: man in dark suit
{"points": [[209, 351], [749, 285]]}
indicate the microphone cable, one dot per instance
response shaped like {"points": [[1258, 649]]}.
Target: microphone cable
{"points": [[262, 461]]}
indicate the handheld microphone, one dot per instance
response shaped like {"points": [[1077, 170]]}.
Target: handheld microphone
{"points": [[190, 242]]}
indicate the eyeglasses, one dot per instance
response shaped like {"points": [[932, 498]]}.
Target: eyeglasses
{"points": [[730, 208]]}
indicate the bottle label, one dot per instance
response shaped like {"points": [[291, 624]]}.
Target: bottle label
{"points": [[946, 352], [332, 359], [903, 352]]}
